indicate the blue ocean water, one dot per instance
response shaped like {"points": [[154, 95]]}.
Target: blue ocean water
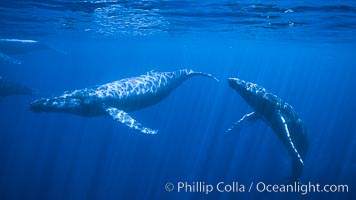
{"points": [[302, 51]]}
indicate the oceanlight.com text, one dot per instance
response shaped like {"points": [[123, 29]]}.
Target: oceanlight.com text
{"points": [[237, 187]]}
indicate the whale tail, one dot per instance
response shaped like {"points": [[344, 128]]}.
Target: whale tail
{"points": [[193, 73]]}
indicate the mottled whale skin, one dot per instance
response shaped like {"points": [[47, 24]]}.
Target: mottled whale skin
{"points": [[8, 88], [118, 97], [279, 115]]}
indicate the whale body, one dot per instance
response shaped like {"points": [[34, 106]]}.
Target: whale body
{"points": [[118, 98], [279, 115]]}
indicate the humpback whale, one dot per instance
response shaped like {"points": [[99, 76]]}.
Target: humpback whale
{"points": [[279, 115], [8, 88], [10, 47], [118, 98]]}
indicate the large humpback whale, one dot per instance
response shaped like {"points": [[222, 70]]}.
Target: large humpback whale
{"points": [[279, 115], [10, 47], [119, 97], [8, 88]]}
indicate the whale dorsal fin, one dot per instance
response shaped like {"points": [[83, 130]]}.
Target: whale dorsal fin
{"points": [[9, 59], [125, 118], [244, 122]]}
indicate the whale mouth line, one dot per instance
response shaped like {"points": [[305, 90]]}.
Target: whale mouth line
{"points": [[54, 104]]}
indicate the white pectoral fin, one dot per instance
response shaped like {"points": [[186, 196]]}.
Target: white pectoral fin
{"points": [[125, 118], [287, 138], [9, 59], [244, 122]]}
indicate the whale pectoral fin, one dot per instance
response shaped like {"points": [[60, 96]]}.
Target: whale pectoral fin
{"points": [[125, 118], [244, 122], [9, 59], [297, 160]]}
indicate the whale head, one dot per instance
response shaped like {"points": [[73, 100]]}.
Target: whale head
{"points": [[246, 89], [66, 105], [257, 97]]}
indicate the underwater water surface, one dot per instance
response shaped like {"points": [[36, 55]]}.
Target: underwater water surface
{"points": [[302, 51]]}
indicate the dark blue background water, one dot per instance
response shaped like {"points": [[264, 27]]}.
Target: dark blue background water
{"points": [[306, 58]]}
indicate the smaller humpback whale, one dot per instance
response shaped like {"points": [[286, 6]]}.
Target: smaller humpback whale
{"points": [[10, 47], [279, 115], [8, 88], [119, 97]]}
